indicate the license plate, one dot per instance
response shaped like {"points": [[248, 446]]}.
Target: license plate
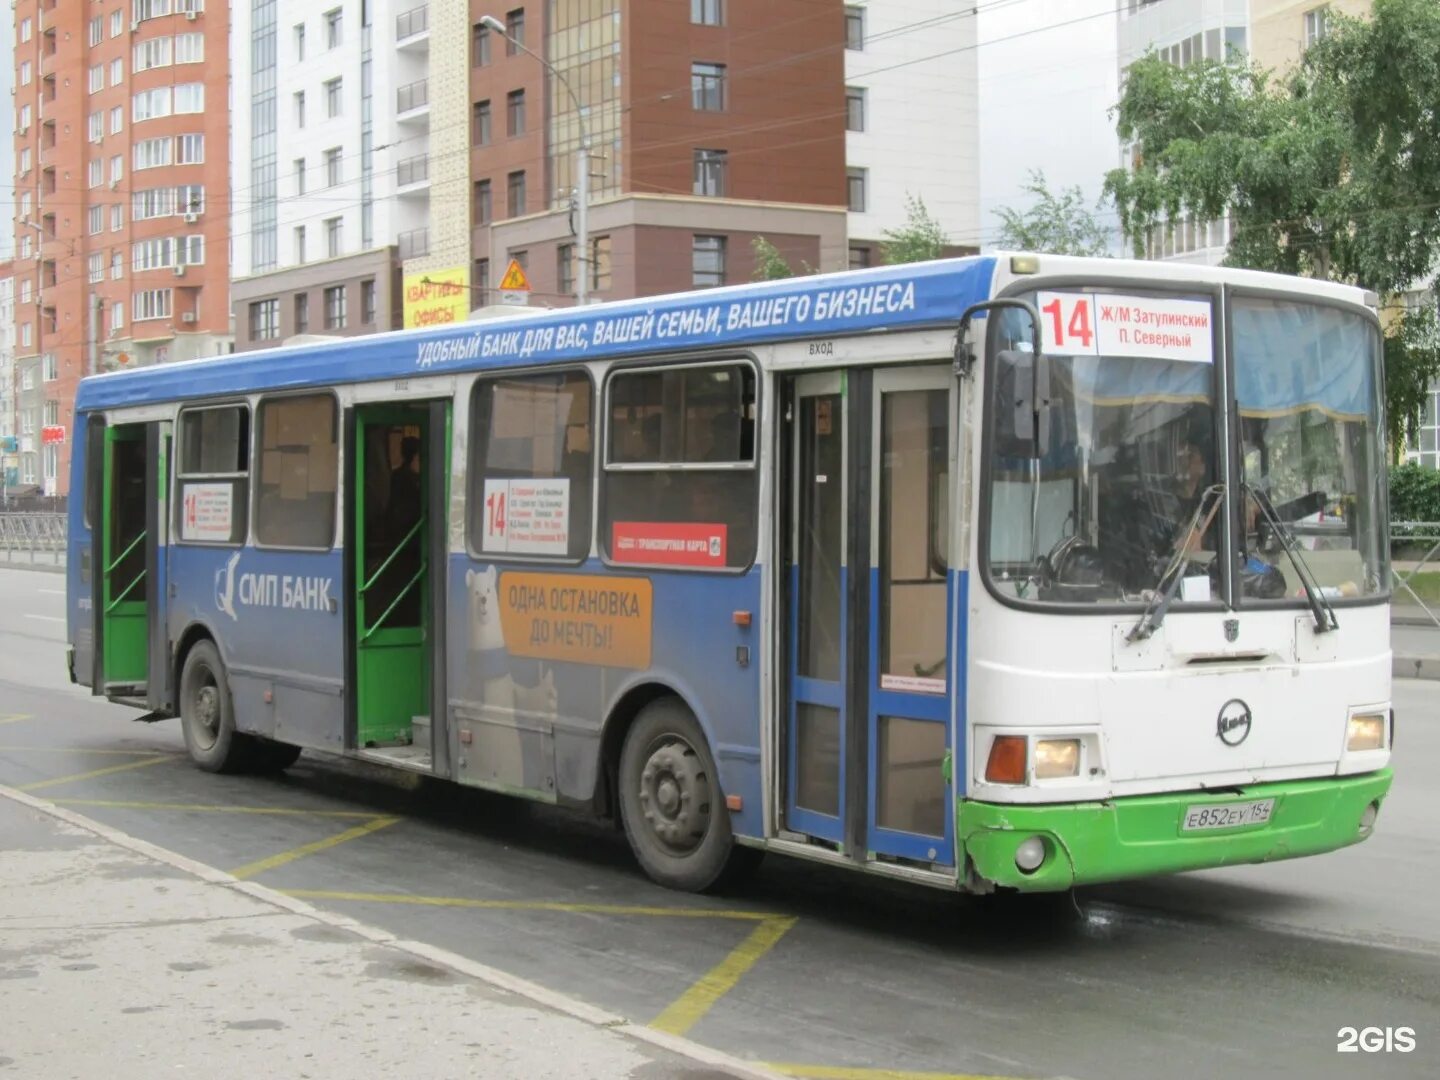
{"points": [[1227, 815]]}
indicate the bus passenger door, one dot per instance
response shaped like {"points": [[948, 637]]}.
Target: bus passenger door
{"points": [[870, 606], [397, 564], [128, 558]]}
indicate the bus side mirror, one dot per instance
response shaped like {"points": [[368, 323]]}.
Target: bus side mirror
{"points": [[1022, 405]]}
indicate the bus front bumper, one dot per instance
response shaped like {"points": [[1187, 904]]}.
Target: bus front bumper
{"points": [[1138, 836]]}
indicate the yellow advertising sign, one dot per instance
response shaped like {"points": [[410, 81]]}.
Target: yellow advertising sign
{"points": [[436, 297], [579, 618]]}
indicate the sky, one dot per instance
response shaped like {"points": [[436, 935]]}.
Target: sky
{"points": [[1045, 94]]}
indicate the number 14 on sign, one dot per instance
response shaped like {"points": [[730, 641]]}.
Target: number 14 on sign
{"points": [[1067, 324]]}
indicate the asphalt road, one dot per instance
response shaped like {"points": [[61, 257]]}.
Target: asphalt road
{"points": [[1249, 971]]}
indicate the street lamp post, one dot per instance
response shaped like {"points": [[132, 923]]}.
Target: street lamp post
{"points": [[582, 165]]}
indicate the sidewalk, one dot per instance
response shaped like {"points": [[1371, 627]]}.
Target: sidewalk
{"points": [[122, 961], [1417, 651]]}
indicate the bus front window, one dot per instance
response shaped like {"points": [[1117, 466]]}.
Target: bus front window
{"points": [[1094, 510], [1306, 387]]}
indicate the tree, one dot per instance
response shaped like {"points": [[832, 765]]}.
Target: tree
{"points": [[920, 239], [1060, 224], [770, 265], [1332, 171]]}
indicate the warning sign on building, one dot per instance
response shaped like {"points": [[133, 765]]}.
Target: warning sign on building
{"points": [[514, 286]]}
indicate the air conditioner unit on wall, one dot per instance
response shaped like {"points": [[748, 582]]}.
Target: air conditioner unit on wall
{"points": [[192, 15], [180, 271], [191, 218], [187, 317]]}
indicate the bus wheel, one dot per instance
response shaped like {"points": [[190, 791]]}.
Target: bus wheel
{"points": [[206, 715], [268, 756], [671, 803]]}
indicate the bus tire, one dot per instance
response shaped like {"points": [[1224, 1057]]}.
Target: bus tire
{"points": [[207, 717], [671, 803], [269, 756]]}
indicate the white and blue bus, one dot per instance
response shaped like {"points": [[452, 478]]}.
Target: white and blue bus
{"points": [[1018, 571]]}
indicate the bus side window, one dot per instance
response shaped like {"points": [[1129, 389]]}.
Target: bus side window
{"points": [[299, 472], [214, 454]]}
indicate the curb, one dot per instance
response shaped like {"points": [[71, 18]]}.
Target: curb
{"points": [[43, 567], [500, 980], [1415, 667]]}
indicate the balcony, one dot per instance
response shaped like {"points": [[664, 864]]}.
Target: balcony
{"points": [[413, 174], [414, 243], [412, 28], [412, 102]]}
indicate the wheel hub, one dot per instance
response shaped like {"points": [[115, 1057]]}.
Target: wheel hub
{"points": [[675, 796], [207, 708]]}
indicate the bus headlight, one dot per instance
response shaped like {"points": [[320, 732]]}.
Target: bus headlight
{"points": [[1366, 732], [1056, 757]]}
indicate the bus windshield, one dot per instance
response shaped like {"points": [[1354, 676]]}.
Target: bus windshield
{"points": [[1099, 493]]}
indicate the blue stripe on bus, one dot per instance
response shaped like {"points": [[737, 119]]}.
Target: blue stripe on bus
{"points": [[887, 298]]}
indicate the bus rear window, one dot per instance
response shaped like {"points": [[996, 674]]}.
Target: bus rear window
{"points": [[680, 486], [530, 474], [213, 475], [299, 472]]}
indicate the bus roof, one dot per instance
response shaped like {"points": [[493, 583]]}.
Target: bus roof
{"points": [[828, 305]]}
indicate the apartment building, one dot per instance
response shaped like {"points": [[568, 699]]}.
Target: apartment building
{"points": [[9, 425], [122, 193], [1184, 32], [911, 121], [1281, 30]]}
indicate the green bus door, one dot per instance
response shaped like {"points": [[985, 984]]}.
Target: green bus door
{"points": [[392, 574], [125, 543]]}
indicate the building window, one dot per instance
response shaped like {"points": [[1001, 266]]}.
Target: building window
{"points": [[214, 449], [481, 133], [24, 160], [117, 217], [117, 265], [299, 108], [860, 258], [482, 202], [153, 53], [302, 312], [49, 372], [479, 45], [854, 108], [854, 27], [95, 220], [534, 430], [27, 27], [152, 304], [299, 176], [565, 258], [299, 41], [600, 263], [332, 98], [333, 236], [710, 167], [707, 12], [514, 30], [855, 189], [515, 194], [117, 314], [117, 71], [707, 261], [265, 320], [515, 112], [332, 167], [482, 280], [190, 149], [335, 307], [117, 168], [368, 307], [27, 337], [97, 78], [299, 472], [334, 28], [97, 30], [299, 243], [190, 98], [1316, 25], [1235, 43], [96, 126], [117, 23], [680, 449], [117, 119], [152, 104], [97, 172], [707, 87]]}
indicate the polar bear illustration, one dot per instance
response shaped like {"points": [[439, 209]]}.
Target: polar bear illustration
{"points": [[508, 689]]}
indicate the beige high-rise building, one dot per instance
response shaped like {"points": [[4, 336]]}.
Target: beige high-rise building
{"points": [[1281, 30]]}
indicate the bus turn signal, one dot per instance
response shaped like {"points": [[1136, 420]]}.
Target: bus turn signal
{"points": [[1007, 760]]}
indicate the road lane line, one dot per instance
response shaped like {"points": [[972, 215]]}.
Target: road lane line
{"points": [[86, 750], [688, 1009], [249, 870], [52, 592], [45, 618], [42, 784], [840, 1072], [15, 718], [530, 905], [205, 808]]}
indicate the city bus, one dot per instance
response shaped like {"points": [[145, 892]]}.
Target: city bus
{"points": [[1008, 572]]}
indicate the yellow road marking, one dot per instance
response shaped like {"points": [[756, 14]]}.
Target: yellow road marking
{"points": [[530, 905], [686, 1011], [14, 718], [96, 772], [834, 1072], [261, 865], [205, 808], [79, 750]]}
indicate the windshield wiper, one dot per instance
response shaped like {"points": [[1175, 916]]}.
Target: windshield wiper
{"points": [[1319, 605], [1160, 602]]}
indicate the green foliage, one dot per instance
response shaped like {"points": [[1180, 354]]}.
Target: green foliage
{"points": [[770, 265], [1331, 172], [1414, 493], [920, 239], [1412, 360], [1057, 224]]}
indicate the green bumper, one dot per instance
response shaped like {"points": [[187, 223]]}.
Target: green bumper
{"points": [[1139, 836]]}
